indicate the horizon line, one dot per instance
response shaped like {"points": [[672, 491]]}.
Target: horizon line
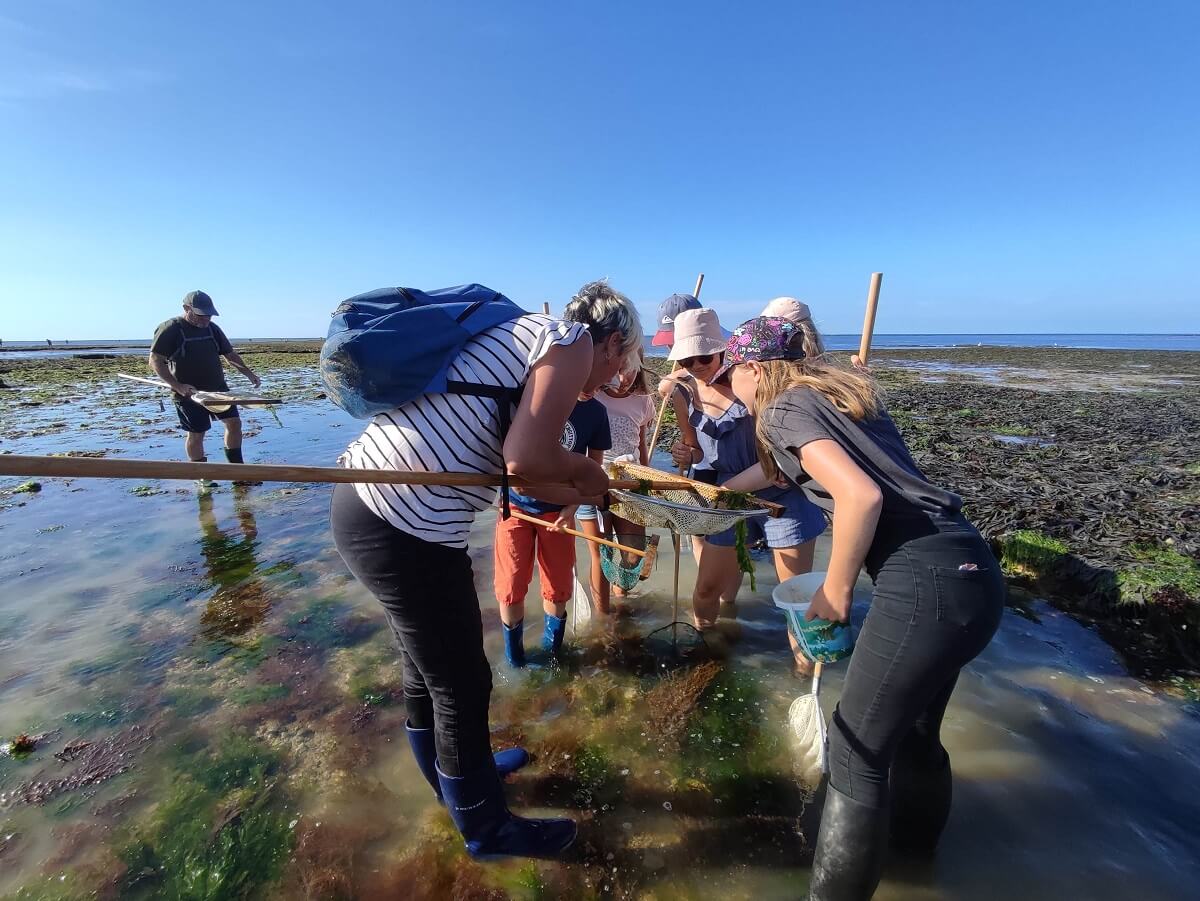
{"points": [[57, 341]]}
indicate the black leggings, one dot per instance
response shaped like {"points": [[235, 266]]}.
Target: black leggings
{"points": [[428, 594], [928, 618]]}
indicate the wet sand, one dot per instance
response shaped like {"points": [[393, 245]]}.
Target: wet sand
{"points": [[239, 693]]}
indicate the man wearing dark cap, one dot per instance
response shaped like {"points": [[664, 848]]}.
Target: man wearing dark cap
{"points": [[186, 354], [667, 311]]}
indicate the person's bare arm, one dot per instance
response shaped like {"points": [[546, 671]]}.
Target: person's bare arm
{"points": [[532, 450], [566, 516], [857, 502], [752, 479], [158, 365], [236, 361]]}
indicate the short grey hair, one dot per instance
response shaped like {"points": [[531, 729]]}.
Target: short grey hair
{"points": [[604, 310]]}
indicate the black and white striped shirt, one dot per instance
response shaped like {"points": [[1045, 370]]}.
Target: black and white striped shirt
{"points": [[452, 432]]}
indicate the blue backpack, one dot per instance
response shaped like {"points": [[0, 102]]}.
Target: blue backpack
{"points": [[387, 347]]}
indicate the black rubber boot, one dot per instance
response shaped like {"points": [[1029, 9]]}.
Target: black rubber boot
{"points": [[921, 797], [421, 742], [476, 804], [850, 849]]}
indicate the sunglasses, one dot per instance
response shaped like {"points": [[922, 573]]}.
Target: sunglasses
{"points": [[702, 360]]}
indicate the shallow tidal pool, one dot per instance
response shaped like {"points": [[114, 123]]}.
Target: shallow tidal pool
{"points": [[214, 710]]}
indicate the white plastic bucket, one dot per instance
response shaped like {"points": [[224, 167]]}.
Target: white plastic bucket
{"points": [[821, 639]]}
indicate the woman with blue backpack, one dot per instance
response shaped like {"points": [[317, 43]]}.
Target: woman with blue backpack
{"points": [[408, 543]]}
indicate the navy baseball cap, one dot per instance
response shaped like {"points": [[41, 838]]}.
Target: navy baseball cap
{"points": [[667, 311], [200, 302]]}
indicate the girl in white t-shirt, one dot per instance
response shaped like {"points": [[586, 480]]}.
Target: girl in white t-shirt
{"points": [[630, 413]]}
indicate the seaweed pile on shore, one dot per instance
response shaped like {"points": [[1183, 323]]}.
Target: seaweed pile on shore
{"points": [[1091, 497]]}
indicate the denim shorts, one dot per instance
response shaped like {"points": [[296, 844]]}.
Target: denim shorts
{"points": [[587, 511], [801, 521]]}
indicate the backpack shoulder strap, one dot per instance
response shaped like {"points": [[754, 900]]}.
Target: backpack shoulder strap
{"points": [[506, 399]]}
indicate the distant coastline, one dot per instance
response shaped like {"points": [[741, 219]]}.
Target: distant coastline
{"points": [[1093, 341]]}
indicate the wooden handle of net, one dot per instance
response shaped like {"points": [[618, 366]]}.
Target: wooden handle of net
{"points": [[517, 514], [117, 468]]}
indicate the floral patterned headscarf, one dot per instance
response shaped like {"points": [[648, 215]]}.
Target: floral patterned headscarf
{"points": [[762, 338]]}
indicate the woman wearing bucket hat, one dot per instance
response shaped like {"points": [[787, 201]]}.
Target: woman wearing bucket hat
{"points": [[724, 450], [938, 597]]}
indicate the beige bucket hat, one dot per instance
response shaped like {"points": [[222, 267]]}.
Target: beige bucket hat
{"points": [[697, 333], [787, 308]]}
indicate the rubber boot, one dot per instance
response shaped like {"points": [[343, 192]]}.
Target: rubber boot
{"points": [[850, 850], [421, 741], [514, 645], [921, 797], [204, 484], [234, 455], [552, 634], [490, 830]]}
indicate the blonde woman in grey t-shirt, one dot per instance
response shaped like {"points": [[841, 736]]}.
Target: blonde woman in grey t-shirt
{"points": [[937, 601]]}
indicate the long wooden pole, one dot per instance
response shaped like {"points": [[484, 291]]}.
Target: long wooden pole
{"points": [[864, 347], [666, 400], [118, 468], [595, 539]]}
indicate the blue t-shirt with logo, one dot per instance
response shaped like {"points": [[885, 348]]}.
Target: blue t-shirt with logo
{"points": [[586, 430]]}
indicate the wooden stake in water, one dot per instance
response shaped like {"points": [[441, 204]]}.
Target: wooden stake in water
{"points": [[864, 345]]}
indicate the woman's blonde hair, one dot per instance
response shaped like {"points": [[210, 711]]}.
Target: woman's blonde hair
{"points": [[641, 382], [854, 393]]}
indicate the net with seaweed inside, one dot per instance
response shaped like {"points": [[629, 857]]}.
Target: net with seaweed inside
{"points": [[694, 509]]}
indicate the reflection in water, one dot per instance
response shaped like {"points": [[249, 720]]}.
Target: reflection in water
{"points": [[240, 602]]}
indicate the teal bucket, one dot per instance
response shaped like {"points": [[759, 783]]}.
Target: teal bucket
{"points": [[820, 639]]}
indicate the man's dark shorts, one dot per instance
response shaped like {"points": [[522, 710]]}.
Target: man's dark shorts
{"points": [[195, 418]]}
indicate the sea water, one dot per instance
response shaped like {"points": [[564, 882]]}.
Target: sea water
{"points": [[235, 694]]}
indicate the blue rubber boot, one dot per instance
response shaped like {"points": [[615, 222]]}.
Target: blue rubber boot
{"points": [[490, 830], [421, 741], [552, 634], [514, 645]]}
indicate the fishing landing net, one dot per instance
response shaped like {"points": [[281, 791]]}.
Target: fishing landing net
{"points": [[697, 509], [806, 731], [623, 569], [692, 509]]}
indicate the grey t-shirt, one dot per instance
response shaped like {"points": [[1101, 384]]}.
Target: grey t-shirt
{"points": [[193, 352], [802, 415]]}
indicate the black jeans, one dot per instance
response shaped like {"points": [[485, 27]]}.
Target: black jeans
{"points": [[928, 618], [428, 594]]}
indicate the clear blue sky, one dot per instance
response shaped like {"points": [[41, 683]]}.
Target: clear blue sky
{"points": [[1010, 167]]}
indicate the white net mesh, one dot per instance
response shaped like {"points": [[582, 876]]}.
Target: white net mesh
{"points": [[806, 727]]}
